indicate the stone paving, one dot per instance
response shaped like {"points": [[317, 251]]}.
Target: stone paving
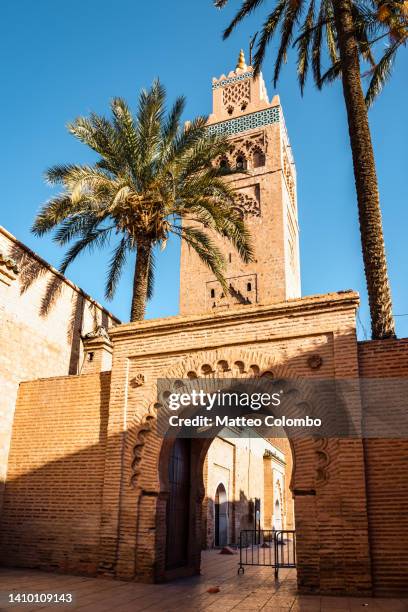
{"points": [[255, 590]]}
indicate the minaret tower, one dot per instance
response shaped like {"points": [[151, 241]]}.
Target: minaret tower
{"points": [[266, 198]]}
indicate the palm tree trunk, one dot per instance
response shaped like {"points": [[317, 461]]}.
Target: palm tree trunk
{"points": [[375, 264], [140, 281]]}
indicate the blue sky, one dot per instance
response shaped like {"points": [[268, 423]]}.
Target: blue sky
{"points": [[64, 59]]}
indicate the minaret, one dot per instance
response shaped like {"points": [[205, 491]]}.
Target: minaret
{"points": [[266, 199]]}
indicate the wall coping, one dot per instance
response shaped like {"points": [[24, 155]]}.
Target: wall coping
{"points": [[341, 300], [384, 342], [53, 270], [63, 377]]}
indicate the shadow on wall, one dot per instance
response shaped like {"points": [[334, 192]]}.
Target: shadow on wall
{"points": [[222, 520], [33, 269], [51, 516]]}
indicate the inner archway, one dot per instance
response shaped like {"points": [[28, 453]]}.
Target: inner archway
{"points": [[205, 514]]}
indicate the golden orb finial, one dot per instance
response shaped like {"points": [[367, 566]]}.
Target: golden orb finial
{"points": [[241, 61]]}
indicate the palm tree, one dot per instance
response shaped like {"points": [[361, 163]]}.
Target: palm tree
{"points": [[351, 30], [152, 178]]}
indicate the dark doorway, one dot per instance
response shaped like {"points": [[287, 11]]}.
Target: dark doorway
{"points": [[221, 516], [178, 504]]}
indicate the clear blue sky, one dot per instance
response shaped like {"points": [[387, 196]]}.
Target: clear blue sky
{"points": [[64, 59]]}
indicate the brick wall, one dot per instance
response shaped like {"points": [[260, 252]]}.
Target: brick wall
{"points": [[329, 482], [386, 469], [42, 318], [53, 496]]}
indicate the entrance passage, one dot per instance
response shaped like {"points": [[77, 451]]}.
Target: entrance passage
{"points": [[178, 514], [221, 516]]}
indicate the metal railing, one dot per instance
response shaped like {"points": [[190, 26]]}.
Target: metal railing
{"points": [[267, 547]]}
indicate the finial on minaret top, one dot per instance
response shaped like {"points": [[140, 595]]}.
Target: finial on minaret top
{"points": [[241, 61]]}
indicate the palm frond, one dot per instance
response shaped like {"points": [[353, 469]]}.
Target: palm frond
{"points": [[71, 227], [52, 213], [171, 126], [206, 249], [317, 44], [116, 265], [268, 30], [94, 238], [148, 127], [381, 73], [292, 13], [194, 132], [81, 181], [56, 174], [331, 34], [330, 75], [247, 7], [126, 131], [238, 234], [303, 44], [361, 33]]}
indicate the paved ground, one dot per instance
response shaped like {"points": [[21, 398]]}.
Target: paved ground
{"points": [[255, 590]]}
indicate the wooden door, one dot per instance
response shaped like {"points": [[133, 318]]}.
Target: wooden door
{"points": [[178, 505]]}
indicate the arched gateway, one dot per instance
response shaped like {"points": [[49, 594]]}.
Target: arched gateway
{"points": [[163, 489]]}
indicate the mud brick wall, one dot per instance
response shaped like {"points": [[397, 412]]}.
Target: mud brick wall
{"points": [[53, 496], [386, 468]]}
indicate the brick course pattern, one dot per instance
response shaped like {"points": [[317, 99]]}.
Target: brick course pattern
{"points": [[386, 468], [54, 489]]}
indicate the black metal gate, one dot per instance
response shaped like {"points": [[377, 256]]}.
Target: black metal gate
{"points": [[267, 547]]}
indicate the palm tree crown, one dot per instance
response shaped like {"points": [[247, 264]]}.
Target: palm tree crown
{"points": [[152, 178], [313, 24], [346, 32]]}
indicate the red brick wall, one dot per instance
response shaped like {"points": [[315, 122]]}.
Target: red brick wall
{"points": [[386, 472], [53, 494]]}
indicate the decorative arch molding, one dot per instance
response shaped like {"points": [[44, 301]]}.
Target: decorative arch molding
{"points": [[221, 364], [145, 426]]}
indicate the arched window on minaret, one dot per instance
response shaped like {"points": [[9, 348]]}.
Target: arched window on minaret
{"points": [[258, 158], [241, 162], [224, 163]]}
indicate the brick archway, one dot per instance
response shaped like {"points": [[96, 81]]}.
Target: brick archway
{"points": [[149, 459]]}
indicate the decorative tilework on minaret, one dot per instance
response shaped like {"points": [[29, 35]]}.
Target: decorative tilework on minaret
{"points": [[266, 197]]}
